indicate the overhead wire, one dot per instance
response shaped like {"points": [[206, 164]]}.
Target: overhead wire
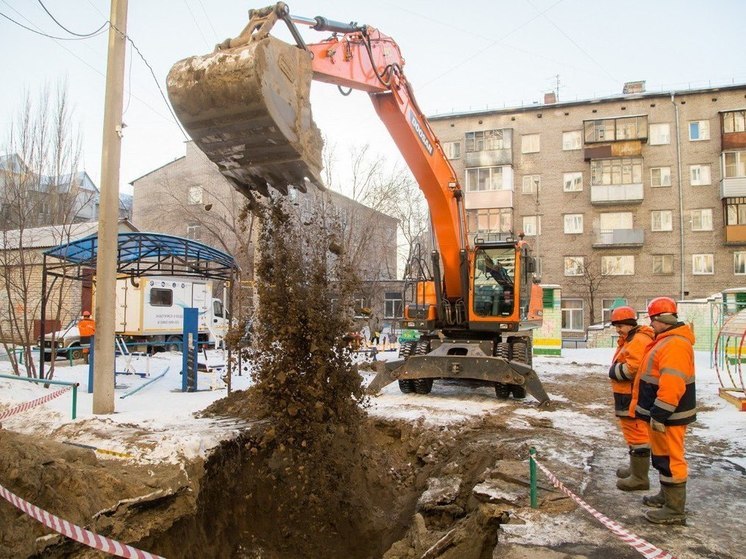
{"points": [[82, 35], [47, 34]]}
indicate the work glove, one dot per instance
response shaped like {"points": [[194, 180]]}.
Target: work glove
{"points": [[657, 426]]}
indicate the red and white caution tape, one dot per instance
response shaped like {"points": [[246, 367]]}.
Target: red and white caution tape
{"points": [[33, 403], [645, 548], [76, 532]]}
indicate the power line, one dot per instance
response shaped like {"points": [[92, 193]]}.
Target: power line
{"points": [[83, 35], [51, 36]]}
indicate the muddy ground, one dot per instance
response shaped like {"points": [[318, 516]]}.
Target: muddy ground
{"points": [[415, 489]]}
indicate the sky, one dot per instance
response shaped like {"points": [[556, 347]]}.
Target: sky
{"points": [[485, 55]]}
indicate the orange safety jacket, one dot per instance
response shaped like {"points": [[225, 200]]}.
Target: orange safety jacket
{"points": [[664, 388], [87, 327], [626, 363]]}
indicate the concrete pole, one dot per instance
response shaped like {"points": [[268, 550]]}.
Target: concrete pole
{"points": [[106, 264]]}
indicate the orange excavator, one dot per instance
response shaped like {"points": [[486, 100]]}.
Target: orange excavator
{"points": [[247, 107]]}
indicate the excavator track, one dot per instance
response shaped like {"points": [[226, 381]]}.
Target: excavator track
{"points": [[248, 109]]}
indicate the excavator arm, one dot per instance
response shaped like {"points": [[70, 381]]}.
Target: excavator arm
{"points": [[246, 106]]}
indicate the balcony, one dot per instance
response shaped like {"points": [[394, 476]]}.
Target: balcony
{"points": [[630, 148], [488, 199], [614, 238], [604, 194], [488, 158], [735, 234], [733, 188]]}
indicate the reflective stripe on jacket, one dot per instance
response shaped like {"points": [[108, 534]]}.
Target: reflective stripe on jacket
{"points": [[626, 363], [664, 388]]}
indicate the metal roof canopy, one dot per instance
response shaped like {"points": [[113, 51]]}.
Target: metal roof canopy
{"points": [[143, 254]]}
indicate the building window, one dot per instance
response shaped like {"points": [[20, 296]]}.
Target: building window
{"points": [[572, 314], [484, 140], [702, 220], [608, 305], [618, 265], [531, 225], [735, 211], [490, 220], [662, 264], [734, 121], [739, 263], [703, 264], [194, 195], [660, 176], [699, 175], [194, 231], [530, 143], [661, 220], [573, 182], [452, 150], [530, 184], [616, 171], [573, 223], [392, 305], [660, 134], [574, 265], [483, 179], [734, 164], [699, 130], [613, 129], [572, 140]]}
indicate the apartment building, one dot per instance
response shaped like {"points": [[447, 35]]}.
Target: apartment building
{"points": [[624, 198]]}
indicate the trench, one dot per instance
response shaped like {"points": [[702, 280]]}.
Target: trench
{"points": [[243, 507]]}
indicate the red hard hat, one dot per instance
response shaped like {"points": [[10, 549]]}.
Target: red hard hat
{"points": [[661, 305], [86, 313], [623, 315]]}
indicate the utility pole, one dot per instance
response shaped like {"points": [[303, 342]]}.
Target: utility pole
{"points": [[538, 218], [108, 219]]}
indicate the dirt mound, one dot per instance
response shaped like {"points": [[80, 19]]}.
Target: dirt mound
{"points": [[114, 498]]}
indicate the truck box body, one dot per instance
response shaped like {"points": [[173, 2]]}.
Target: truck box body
{"points": [[155, 305]]}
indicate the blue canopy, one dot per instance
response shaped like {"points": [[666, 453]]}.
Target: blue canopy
{"points": [[147, 254]]}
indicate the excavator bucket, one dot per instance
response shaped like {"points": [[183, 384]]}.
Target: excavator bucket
{"points": [[248, 109]]}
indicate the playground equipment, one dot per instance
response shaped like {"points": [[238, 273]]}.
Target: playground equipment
{"points": [[729, 356]]}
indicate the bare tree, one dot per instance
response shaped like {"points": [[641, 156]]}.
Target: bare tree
{"points": [[588, 282], [38, 186]]}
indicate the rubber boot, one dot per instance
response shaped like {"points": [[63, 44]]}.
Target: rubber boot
{"points": [[625, 471], [673, 511], [639, 465], [655, 501]]}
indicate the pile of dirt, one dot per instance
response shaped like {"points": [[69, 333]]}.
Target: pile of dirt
{"points": [[113, 498]]}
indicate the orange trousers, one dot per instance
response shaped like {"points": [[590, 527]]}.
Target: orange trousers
{"points": [[668, 454], [635, 432]]}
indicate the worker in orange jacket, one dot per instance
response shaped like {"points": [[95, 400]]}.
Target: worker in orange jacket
{"points": [[633, 340], [86, 329], [664, 395]]}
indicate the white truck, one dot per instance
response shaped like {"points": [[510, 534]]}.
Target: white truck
{"points": [[151, 309]]}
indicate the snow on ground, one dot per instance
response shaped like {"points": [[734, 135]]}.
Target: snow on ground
{"points": [[161, 417]]}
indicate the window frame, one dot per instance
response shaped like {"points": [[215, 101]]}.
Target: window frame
{"points": [[703, 130], [739, 161], [614, 168], [574, 264], [528, 141], [739, 255], [491, 181], [701, 212], [484, 140], [659, 139], [574, 219], [532, 181], [574, 313], [664, 171], [158, 302], [703, 258], [619, 269], [572, 177], [450, 147], [572, 140], [732, 120], [702, 181], [664, 258], [660, 229], [537, 225]]}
